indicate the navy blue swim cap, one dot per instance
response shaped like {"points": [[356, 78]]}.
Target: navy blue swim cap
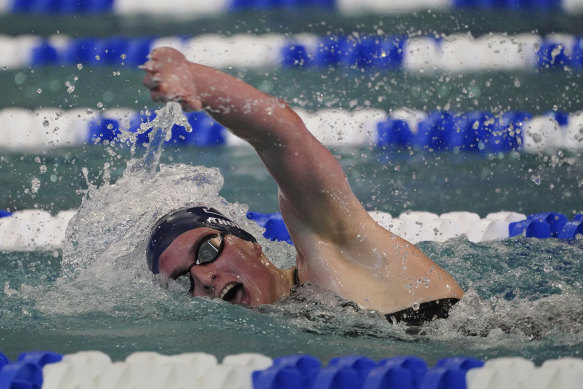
{"points": [[177, 222]]}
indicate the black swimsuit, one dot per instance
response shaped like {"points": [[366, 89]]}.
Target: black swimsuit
{"points": [[438, 309]]}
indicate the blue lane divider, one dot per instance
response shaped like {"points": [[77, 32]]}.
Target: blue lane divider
{"points": [[293, 372], [364, 52], [460, 363], [103, 6], [478, 132], [546, 225], [289, 372], [350, 372], [440, 131], [206, 132], [94, 51], [416, 367], [540, 225], [4, 213], [443, 130], [21, 375], [62, 6], [274, 225], [541, 5], [40, 358], [362, 365], [3, 360], [26, 373], [389, 377], [262, 5]]}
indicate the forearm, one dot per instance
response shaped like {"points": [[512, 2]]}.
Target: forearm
{"points": [[255, 116]]}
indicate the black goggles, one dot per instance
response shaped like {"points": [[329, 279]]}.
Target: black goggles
{"points": [[207, 251]]}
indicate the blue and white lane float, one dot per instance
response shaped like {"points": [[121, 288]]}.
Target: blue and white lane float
{"points": [[151, 370], [34, 230], [426, 54], [478, 132], [205, 8]]}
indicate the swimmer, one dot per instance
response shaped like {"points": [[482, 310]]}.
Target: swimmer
{"points": [[339, 246]]}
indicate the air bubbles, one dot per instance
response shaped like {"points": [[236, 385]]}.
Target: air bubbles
{"points": [[19, 78], [70, 87], [536, 179], [35, 185]]}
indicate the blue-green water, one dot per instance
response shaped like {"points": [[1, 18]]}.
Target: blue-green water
{"points": [[525, 296]]}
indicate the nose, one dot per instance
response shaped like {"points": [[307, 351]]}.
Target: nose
{"points": [[204, 281]]}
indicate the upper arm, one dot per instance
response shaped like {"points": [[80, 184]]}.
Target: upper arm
{"points": [[314, 190], [310, 179]]}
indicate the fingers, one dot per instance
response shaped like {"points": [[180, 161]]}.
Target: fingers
{"points": [[168, 78]]}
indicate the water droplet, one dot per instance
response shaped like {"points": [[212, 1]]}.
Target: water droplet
{"points": [[35, 185], [19, 78], [536, 179]]}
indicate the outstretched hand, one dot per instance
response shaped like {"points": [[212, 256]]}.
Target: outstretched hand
{"points": [[169, 77]]}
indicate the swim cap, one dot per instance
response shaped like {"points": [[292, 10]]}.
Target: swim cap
{"points": [[177, 222]]}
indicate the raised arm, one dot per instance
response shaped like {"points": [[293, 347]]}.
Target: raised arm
{"points": [[339, 246], [314, 191]]}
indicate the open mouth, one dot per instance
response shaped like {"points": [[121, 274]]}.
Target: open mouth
{"points": [[230, 291]]}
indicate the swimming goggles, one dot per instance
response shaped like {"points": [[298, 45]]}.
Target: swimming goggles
{"points": [[207, 251]]}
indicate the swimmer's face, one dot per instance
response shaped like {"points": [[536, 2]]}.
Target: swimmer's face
{"points": [[241, 274]]}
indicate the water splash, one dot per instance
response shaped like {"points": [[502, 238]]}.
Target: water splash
{"points": [[162, 124], [109, 232]]}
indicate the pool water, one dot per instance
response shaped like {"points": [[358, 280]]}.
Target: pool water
{"points": [[524, 295]]}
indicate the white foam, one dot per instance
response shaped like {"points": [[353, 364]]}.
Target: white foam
{"points": [[542, 133], [573, 136]]}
